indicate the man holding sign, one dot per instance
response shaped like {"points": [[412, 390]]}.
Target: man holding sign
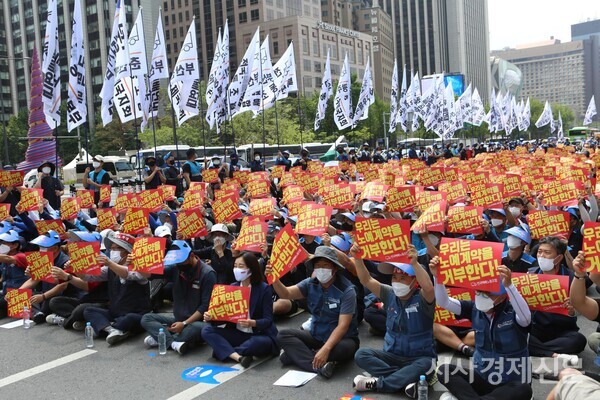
{"points": [[501, 321], [12, 266]]}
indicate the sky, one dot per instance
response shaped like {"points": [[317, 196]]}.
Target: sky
{"points": [[514, 22]]}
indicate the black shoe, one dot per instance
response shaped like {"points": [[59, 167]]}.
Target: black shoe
{"points": [[245, 361], [411, 390], [39, 318], [468, 351], [285, 360], [326, 371]]}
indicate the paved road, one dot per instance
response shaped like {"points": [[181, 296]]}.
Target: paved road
{"points": [[29, 368]]}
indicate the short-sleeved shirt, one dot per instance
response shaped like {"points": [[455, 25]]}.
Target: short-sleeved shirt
{"points": [[347, 304]]}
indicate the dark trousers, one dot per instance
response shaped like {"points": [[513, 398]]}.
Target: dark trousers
{"points": [[569, 342], [456, 380], [376, 317], [70, 309], [226, 341], [101, 318], [300, 348]]}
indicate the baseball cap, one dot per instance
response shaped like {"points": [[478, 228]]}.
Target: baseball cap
{"points": [[389, 268], [48, 239], [10, 237], [178, 253], [162, 231], [85, 236]]}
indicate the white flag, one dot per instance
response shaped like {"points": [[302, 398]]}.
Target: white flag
{"points": [[175, 96], [561, 133], [477, 109], [284, 72], [325, 94], [546, 117], [217, 111], [342, 101], [466, 105], [240, 80], [525, 117], [51, 68], [186, 71], [109, 76], [394, 98], [212, 75], [122, 57], [76, 102], [402, 113], [413, 100], [158, 70], [262, 73], [590, 112], [366, 97]]}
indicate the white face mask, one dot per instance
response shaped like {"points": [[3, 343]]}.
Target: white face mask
{"points": [[46, 170], [515, 211], [4, 249], [483, 302], [95, 164], [257, 158], [219, 241], [216, 162], [546, 264], [168, 225], [513, 242], [400, 289], [433, 239], [115, 255], [496, 222], [241, 274], [323, 275]]}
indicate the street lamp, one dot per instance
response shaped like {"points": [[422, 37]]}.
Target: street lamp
{"points": [[6, 156]]}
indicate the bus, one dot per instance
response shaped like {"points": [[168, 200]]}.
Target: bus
{"points": [[582, 133], [179, 152], [270, 151]]}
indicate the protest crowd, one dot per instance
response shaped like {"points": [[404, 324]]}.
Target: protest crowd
{"points": [[488, 252]]}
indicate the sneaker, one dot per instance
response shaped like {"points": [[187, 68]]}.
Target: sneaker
{"points": [[411, 390], [180, 347], [568, 359], [285, 360], [150, 341], [326, 371], [116, 336], [362, 383], [447, 396], [55, 320], [79, 325], [39, 318], [245, 361], [307, 324]]}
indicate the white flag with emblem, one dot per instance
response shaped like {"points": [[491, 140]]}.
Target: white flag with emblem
{"points": [[325, 94], [394, 98], [342, 102], [262, 72], [477, 109], [466, 105], [413, 100], [187, 73], [108, 87], [216, 112], [51, 68], [525, 117], [284, 72], [366, 97], [240, 80], [76, 102], [402, 112], [545, 118], [590, 112]]}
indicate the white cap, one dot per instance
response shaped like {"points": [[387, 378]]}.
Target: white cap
{"points": [[367, 205], [162, 231]]}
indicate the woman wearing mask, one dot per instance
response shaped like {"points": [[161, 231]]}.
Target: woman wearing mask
{"points": [[251, 337], [219, 254], [258, 163]]}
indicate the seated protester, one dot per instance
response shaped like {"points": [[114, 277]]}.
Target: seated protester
{"points": [[254, 336], [575, 225], [12, 266], [258, 164], [12, 196], [67, 311], [219, 254], [501, 321], [128, 292], [234, 164], [517, 206], [515, 258], [51, 185], [554, 335], [408, 350], [303, 160], [95, 179], [331, 300], [154, 176], [575, 385], [342, 222], [284, 159], [192, 169], [40, 302], [193, 281], [488, 234], [501, 221]]}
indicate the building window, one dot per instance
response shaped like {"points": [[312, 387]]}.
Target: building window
{"points": [[241, 3], [254, 15], [252, 2], [243, 17], [275, 48]]}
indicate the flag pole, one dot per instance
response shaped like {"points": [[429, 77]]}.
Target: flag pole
{"points": [[262, 93], [276, 124], [201, 120], [56, 147]]}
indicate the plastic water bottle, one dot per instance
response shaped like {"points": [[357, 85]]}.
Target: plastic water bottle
{"points": [[26, 317], [89, 336], [162, 342], [423, 388]]}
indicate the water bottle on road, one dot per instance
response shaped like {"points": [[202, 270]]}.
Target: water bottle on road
{"points": [[423, 388], [162, 342], [89, 336], [26, 317]]}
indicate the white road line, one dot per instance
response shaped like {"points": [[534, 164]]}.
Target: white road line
{"points": [[45, 367], [202, 388], [13, 324]]}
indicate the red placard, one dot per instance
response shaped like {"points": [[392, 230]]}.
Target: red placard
{"points": [[167, 192], [242, 176], [543, 292], [83, 258], [432, 220], [191, 224], [512, 185], [229, 303], [489, 195], [136, 220], [425, 198], [252, 235], [125, 201], [86, 197], [562, 193], [277, 171], [383, 239], [70, 207], [374, 191], [401, 199], [210, 175], [30, 200], [466, 220], [445, 317], [11, 178], [40, 265], [286, 254], [262, 208], [313, 219], [151, 200], [338, 196], [4, 211], [226, 209], [259, 188], [591, 245], [456, 191], [17, 299], [544, 223], [107, 218], [292, 193], [258, 176], [470, 264], [148, 255], [45, 225], [105, 194], [432, 176], [193, 198]]}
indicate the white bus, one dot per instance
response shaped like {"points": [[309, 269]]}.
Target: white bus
{"points": [[179, 152]]}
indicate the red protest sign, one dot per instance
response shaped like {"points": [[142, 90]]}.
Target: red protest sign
{"points": [[107, 218], [489, 195], [70, 207], [313, 219], [277, 171], [259, 188], [193, 198], [262, 208], [151, 200], [167, 192], [445, 317], [363, 166], [544, 223], [287, 179], [543, 292], [374, 191], [40, 265], [4, 211], [220, 194], [83, 258], [226, 209], [45, 225], [210, 175], [148, 255], [136, 220], [242, 176], [292, 193], [401, 199], [425, 198], [11, 178], [258, 176], [17, 299], [591, 245], [229, 303], [86, 197], [338, 196], [466, 220], [470, 264], [231, 184], [383, 239], [432, 219], [105, 194], [191, 224], [286, 254], [30, 200], [512, 185], [431, 176], [125, 201], [252, 235], [562, 193], [315, 167], [456, 191]]}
